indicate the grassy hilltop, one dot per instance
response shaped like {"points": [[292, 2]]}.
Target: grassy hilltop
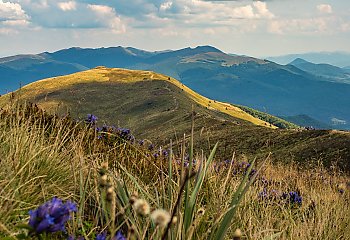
{"points": [[159, 108]]}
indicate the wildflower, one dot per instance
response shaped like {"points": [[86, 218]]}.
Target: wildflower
{"points": [[160, 217], [51, 216], [119, 236], [263, 194], [91, 119], [142, 207], [292, 198], [101, 236], [165, 153], [151, 147]]}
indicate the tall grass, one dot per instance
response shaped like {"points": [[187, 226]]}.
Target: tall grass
{"points": [[42, 156]]}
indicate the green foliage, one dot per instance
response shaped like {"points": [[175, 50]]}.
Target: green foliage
{"points": [[278, 122]]}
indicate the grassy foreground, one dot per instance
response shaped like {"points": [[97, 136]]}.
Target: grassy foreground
{"points": [[42, 156]]}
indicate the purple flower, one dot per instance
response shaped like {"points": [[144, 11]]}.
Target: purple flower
{"points": [[91, 119], [51, 216], [165, 153], [101, 236], [119, 236], [293, 197]]}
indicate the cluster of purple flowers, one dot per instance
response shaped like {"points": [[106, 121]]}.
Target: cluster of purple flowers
{"points": [[51, 216], [292, 197], [161, 153], [113, 133]]}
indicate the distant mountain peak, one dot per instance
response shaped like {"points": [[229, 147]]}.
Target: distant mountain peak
{"points": [[207, 48], [298, 61]]}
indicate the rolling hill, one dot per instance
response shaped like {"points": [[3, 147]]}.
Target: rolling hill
{"points": [[263, 85], [159, 108]]}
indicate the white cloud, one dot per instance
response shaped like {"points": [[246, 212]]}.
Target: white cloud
{"points": [[214, 10], [67, 6], [303, 26], [262, 10], [8, 31], [107, 16], [165, 6], [11, 11], [324, 8], [21, 22]]}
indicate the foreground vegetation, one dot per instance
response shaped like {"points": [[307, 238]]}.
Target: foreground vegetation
{"points": [[106, 171]]}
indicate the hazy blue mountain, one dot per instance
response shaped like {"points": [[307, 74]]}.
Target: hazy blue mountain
{"points": [[339, 59], [306, 121], [301, 87], [19, 70], [332, 73]]}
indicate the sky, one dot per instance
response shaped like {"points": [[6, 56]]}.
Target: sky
{"points": [[255, 28]]}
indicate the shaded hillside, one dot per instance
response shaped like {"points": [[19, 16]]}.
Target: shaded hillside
{"points": [[159, 108]]}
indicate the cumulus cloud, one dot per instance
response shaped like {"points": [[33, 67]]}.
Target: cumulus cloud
{"points": [[324, 8], [11, 11], [88, 14], [107, 17], [12, 18], [215, 10], [67, 6]]}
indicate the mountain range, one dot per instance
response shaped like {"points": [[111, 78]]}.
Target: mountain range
{"points": [[339, 59], [319, 91]]}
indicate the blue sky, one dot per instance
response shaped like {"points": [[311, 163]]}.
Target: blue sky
{"points": [[256, 28]]}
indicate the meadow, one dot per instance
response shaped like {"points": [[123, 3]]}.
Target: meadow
{"points": [[119, 187]]}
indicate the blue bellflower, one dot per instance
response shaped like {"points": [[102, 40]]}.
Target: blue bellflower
{"points": [[51, 216]]}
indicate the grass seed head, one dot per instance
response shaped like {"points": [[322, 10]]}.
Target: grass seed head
{"points": [[141, 207], [103, 180], [160, 217], [110, 194], [237, 234]]}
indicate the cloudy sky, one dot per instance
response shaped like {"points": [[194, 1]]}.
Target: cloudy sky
{"points": [[257, 28]]}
